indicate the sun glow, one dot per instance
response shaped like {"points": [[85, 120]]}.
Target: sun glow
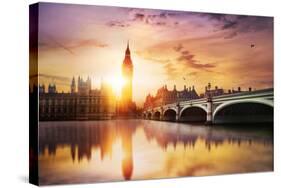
{"points": [[117, 84]]}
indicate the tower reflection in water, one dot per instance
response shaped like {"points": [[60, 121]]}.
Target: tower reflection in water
{"points": [[127, 149], [86, 138], [81, 137]]}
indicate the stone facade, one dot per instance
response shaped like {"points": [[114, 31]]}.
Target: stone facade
{"points": [[165, 96], [85, 104]]}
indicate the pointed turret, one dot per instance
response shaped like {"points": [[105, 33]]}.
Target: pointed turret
{"points": [[89, 82], [127, 60], [73, 85], [128, 53]]}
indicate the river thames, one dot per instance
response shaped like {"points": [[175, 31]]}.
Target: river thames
{"points": [[98, 151]]}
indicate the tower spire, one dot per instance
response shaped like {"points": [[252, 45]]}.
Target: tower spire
{"points": [[73, 85], [128, 49]]}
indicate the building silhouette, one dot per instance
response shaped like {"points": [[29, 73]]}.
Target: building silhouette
{"points": [[216, 91], [82, 103], [126, 106], [127, 74], [165, 96], [85, 103]]}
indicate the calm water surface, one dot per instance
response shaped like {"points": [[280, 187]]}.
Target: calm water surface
{"points": [[95, 151]]}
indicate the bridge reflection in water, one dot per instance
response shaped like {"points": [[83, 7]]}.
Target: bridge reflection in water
{"points": [[94, 151]]}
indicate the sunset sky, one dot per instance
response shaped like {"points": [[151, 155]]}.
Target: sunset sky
{"points": [[167, 47]]}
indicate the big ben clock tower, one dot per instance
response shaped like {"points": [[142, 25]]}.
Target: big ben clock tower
{"points": [[127, 74]]}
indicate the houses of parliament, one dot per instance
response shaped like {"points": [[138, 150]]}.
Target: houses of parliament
{"points": [[85, 103]]}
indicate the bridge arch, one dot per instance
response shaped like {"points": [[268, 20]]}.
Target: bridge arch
{"points": [[170, 114], [148, 115], [246, 111], [144, 115], [156, 115], [197, 106], [193, 114]]}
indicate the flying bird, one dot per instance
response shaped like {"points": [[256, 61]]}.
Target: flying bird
{"points": [[252, 45]]}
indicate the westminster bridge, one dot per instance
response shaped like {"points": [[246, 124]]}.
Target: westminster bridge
{"points": [[243, 107]]}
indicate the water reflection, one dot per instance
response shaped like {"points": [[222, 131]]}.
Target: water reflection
{"points": [[76, 152], [81, 137], [212, 136]]}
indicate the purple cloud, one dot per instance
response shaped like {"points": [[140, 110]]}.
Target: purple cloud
{"points": [[189, 59], [117, 24]]}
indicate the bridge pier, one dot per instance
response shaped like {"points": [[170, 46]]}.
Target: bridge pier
{"points": [[161, 117], [177, 117], [178, 113], [209, 120], [161, 114]]}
